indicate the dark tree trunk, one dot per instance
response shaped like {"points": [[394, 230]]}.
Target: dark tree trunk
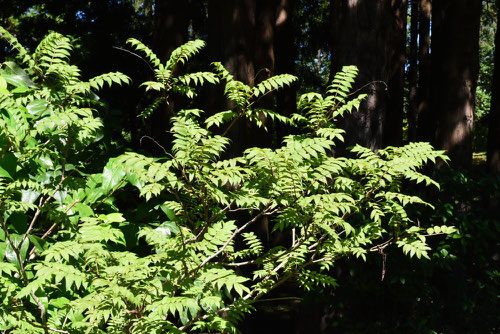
{"points": [[493, 154], [231, 25], [371, 35], [413, 73], [171, 21], [393, 127], [425, 122], [264, 39], [285, 55], [265, 25], [455, 68], [231, 36]]}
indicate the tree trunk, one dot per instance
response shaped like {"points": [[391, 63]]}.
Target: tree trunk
{"points": [[264, 39], [265, 25], [231, 36], [413, 73], [393, 127], [231, 25], [370, 35], [425, 122], [171, 22], [455, 68], [285, 56], [493, 154]]}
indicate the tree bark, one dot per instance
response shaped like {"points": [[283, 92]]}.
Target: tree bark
{"points": [[264, 62], [231, 32], [455, 68], [393, 127], [413, 73], [493, 149], [425, 122], [371, 35], [285, 56], [264, 39], [171, 21], [231, 37]]}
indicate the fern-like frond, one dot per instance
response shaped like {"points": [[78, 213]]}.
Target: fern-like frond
{"points": [[150, 55], [184, 52]]}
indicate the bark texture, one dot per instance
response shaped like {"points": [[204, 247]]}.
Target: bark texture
{"points": [[231, 41], [285, 55], [413, 73], [171, 21], [231, 32], [264, 60], [393, 127], [493, 154], [264, 39], [455, 68], [371, 35], [425, 123]]}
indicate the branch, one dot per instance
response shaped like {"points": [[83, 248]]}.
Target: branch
{"points": [[157, 144], [134, 54], [231, 125], [236, 232], [24, 276]]}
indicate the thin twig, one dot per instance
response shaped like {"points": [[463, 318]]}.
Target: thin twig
{"points": [[111, 193], [368, 84], [231, 125], [52, 227], [24, 276], [279, 299], [235, 233], [158, 144], [134, 54]]}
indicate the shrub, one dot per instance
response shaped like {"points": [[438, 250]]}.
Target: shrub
{"points": [[70, 260]]}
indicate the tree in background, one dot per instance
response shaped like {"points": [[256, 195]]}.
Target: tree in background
{"points": [[241, 31], [170, 30], [171, 21], [285, 54], [412, 112], [493, 154], [455, 68], [425, 122], [371, 35]]}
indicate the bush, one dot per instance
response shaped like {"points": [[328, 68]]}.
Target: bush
{"points": [[74, 260]]}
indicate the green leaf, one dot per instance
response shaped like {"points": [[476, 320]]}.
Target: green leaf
{"points": [[4, 173], [18, 221], [84, 210], [10, 254], [168, 228], [169, 212], [60, 302], [135, 181], [8, 165], [111, 177], [29, 195], [38, 242], [21, 77], [3, 246], [114, 217], [37, 106], [3, 87]]}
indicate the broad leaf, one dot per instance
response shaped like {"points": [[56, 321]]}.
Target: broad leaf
{"points": [[10, 253]]}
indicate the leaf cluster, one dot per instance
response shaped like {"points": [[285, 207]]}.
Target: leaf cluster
{"points": [[68, 261]]}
